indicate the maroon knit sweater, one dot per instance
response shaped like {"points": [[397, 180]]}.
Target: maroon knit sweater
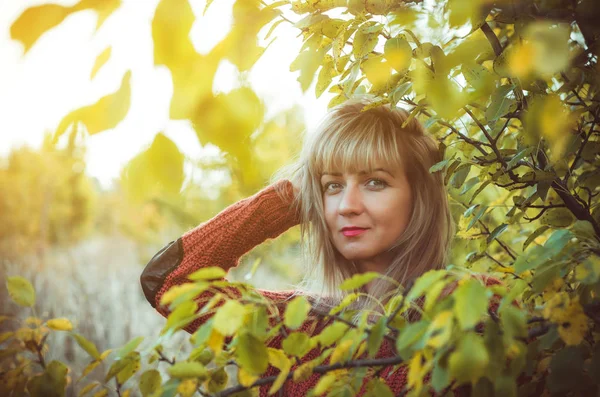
{"points": [[222, 241]]}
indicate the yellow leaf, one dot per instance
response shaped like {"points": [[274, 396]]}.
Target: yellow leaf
{"points": [[60, 324], [377, 70], [187, 387], [88, 388], [245, 378], [104, 114], [303, 372], [100, 61], [398, 53], [419, 366], [440, 329], [35, 21], [215, 341], [521, 59], [176, 291], [339, 354]]}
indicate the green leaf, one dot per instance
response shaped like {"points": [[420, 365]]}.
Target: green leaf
{"points": [[497, 232], [376, 336], [208, 273], [557, 217], [51, 383], [471, 303], [469, 185], [424, 282], [297, 344], [358, 280], [377, 388], [183, 314], [477, 216], [469, 361], [500, 104], [460, 175], [251, 354], [439, 166], [348, 299], [150, 381], [229, 317], [331, 334], [440, 378], [541, 254], [534, 235], [129, 347], [567, 371], [296, 312], [519, 156], [187, 369], [479, 190], [513, 322], [410, 335], [21, 291], [132, 366], [86, 345]]}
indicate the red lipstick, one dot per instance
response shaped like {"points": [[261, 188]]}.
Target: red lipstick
{"points": [[352, 231]]}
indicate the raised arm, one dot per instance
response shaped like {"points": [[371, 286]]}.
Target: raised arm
{"points": [[221, 241]]}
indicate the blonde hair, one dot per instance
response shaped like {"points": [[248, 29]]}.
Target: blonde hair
{"points": [[352, 139]]}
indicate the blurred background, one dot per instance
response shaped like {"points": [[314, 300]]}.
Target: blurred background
{"points": [[82, 212]]}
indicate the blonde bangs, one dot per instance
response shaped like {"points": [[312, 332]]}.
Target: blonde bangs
{"points": [[359, 144]]}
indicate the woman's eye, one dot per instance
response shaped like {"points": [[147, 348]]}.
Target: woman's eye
{"points": [[378, 182], [327, 185]]}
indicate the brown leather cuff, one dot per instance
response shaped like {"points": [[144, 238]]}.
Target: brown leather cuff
{"points": [[160, 266]]}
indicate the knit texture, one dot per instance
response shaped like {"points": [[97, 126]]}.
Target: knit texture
{"points": [[225, 238]]}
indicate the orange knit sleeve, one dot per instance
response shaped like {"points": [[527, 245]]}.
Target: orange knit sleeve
{"points": [[220, 241]]}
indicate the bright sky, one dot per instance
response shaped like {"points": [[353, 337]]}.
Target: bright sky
{"points": [[39, 88]]}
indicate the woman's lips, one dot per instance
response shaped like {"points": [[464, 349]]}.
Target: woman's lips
{"points": [[353, 232]]}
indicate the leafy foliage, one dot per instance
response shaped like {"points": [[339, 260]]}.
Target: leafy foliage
{"points": [[510, 89]]}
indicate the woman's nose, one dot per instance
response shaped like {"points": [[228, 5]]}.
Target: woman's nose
{"points": [[351, 201]]}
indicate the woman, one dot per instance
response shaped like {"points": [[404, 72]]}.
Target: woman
{"points": [[365, 200]]}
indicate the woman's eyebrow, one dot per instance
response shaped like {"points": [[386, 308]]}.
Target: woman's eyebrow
{"points": [[360, 172]]}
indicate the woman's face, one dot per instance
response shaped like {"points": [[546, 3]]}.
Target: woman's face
{"points": [[379, 203]]}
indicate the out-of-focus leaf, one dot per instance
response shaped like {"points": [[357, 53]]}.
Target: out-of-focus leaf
{"points": [[297, 344], [60, 324], [150, 381], [296, 311], [157, 170], [229, 317], [51, 383], [358, 280], [398, 53], [469, 361], [251, 354], [21, 291], [105, 114], [37, 20], [129, 347], [188, 369], [100, 61], [471, 303]]}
